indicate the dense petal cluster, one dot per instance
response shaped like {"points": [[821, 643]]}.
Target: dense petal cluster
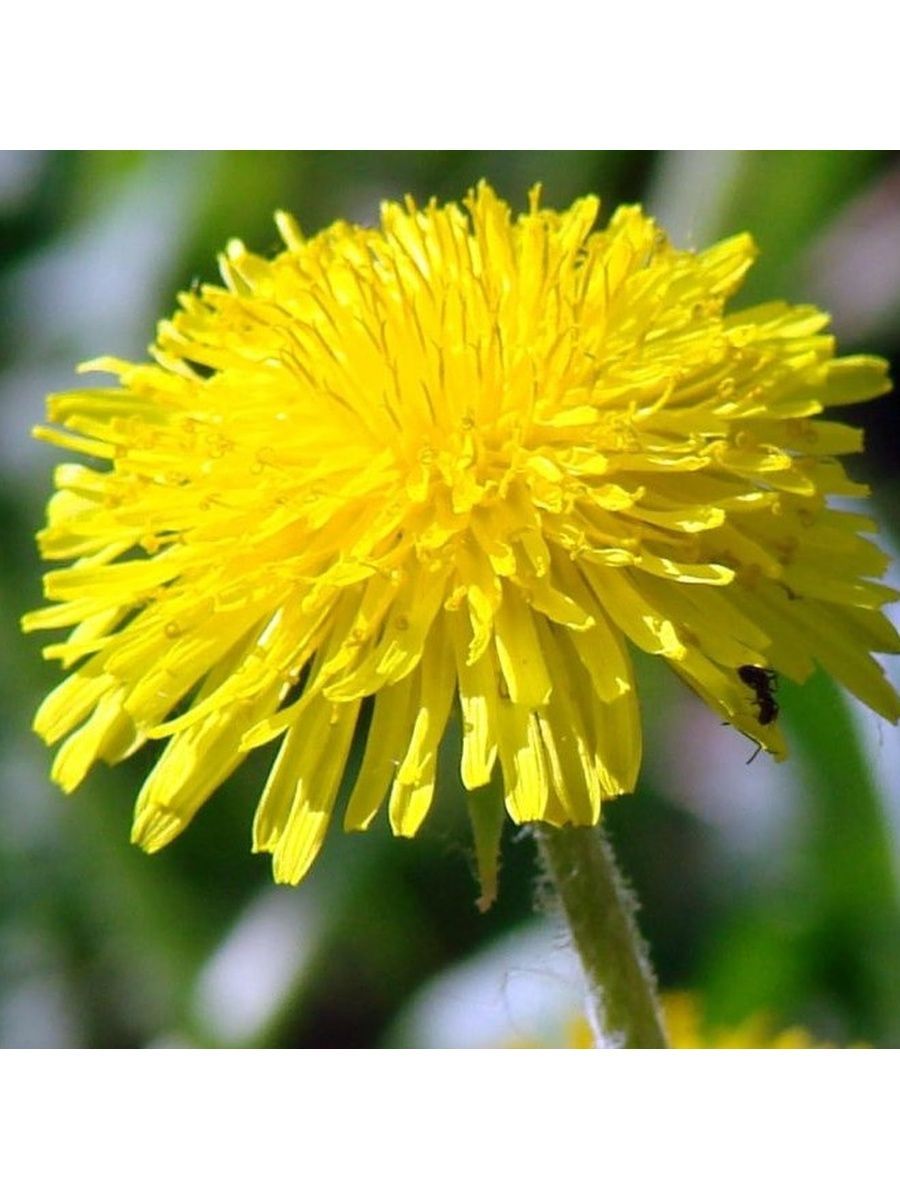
{"points": [[459, 462]]}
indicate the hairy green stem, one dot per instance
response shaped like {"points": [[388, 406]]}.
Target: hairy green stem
{"points": [[599, 911]]}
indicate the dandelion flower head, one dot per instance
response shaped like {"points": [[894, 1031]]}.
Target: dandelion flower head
{"points": [[463, 461]]}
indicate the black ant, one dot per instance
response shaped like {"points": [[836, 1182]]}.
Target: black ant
{"points": [[763, 681]]}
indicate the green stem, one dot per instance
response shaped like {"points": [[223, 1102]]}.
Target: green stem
{"points": [[599, 911]]}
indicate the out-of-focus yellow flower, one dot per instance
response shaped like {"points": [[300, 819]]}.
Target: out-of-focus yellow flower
{"points": [[687, 1031], [459, 458]]}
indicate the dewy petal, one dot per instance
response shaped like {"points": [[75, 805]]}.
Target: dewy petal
{"points": [[414, 779], [318, 774], [296, 805], [463, 458], [522, 756], [479, 690], [386, 742]]}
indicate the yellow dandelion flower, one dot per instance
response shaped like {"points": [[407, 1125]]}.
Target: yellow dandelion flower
{"points": [[688, 1031], [460, 459]]}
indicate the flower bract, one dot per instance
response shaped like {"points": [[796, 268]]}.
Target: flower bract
{"points": [[460, 463]]}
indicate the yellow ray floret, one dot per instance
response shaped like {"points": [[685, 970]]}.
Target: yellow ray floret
{"points": [[463, 463]]}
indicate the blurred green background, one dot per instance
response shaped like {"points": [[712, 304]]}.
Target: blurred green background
{"points": [[763, 887]]}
